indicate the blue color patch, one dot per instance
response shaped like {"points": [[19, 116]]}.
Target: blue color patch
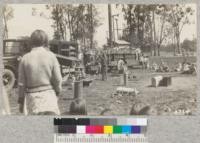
{"points": [[136, 129], [126, 129]]}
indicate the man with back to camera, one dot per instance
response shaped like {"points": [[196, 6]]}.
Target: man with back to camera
{"points": [[40, 78]]}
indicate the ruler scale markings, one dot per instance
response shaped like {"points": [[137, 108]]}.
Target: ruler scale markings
{"points": [[97, 130], [137, 139]]}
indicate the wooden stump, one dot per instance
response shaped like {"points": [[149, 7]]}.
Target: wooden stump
{"points": [[78, 87], [135, 110], [125, 79], [142, 109], [78, 107]]}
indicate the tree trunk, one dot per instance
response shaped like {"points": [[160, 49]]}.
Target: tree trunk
{"points": [[5, 33], [138, 23], [72, 27], [151, 35], [57, 22], [117, 28], [69, 24], [131, 27], [161, 35], [178, 39], [174, 37], [110, 25], [154, 32], [142, 31], [91, 28], [178, 43], [158, 48], [138, 27], [61, 31], [178, 46]]}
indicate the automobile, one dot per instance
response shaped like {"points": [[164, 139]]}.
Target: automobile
{"points": [[13, 50], [66, 53]]}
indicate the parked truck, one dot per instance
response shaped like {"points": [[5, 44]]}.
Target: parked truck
{"points": [[13, 50]]}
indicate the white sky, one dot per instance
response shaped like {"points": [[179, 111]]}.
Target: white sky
{"points": [[23, 23]]}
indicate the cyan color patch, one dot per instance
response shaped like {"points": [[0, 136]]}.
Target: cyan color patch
{"points": [[126, 129]]}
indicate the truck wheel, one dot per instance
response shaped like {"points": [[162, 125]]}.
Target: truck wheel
{"points": [[8, 79]]}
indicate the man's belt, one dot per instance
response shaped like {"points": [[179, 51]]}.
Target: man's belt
{"points": [[38, 88]]}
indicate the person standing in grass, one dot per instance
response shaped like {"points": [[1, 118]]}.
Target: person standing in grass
{"points": [[39, 78], [125, 67], [103, 61], [120, 65]]}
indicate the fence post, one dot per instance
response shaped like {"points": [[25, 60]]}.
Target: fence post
{"points": [[78, 106], [125, 77], [78, 87]]}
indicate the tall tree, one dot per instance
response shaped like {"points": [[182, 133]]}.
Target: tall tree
{"points": [[81, 21], [59, 25], [129, 16], [8, 13], [163, 29], [178, 18], [91, 25], [110, 43], [148, 24]]}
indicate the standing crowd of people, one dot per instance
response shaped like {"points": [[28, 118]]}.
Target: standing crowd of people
{"points": [[97, 64]]}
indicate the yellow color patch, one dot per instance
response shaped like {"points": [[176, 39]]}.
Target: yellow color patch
{"points": [[108, 129]]}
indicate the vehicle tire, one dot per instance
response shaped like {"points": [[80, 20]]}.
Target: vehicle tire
{"points": [[8, 79]]}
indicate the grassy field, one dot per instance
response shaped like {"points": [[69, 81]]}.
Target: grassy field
{"points": [[172, 61], [164, 100], [169, 59], [99, 96]]}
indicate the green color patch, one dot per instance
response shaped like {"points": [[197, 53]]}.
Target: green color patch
{"points": [[117, 129]]}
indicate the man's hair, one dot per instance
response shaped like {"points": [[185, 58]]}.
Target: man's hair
{"points": [[39, 38]]}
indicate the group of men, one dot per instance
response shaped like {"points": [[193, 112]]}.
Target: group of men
{"points": [[183, 67], [97, 65]]}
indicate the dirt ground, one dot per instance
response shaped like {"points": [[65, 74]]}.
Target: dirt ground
{"points": [[99, 96]]}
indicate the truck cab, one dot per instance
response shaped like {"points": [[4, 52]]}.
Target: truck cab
{"points": [[13, 50]]}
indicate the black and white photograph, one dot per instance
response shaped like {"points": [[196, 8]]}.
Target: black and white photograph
{"points": [[99, 59]]}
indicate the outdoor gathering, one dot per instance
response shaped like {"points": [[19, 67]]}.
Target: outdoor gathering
{"points": [[99, 59]]}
